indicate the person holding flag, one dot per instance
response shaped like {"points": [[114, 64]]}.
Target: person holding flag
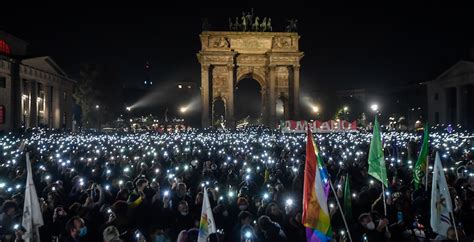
{"points": [[377, 167], [376, 160], [441, 205], [32, 217], [316, 216], [348, 199], [422, 163], [207, 224]]}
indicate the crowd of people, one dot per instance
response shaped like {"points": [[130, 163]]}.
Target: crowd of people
{"points": [[149, 186]]}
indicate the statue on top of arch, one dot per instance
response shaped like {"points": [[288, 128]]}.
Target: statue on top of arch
{"points": [[250, 23]]}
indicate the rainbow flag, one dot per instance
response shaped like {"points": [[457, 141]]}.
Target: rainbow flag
{"points": [[316, 217], [207, 225]]}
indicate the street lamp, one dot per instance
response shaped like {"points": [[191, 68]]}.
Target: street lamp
{"points": [[128, 109], [345, 112], [374, 107], [316, 109], [99, 116], [183, 109]]}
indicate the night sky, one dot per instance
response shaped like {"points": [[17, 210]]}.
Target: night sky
{"points": [[345, 47]]}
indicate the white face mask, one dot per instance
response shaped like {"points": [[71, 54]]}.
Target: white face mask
{"points": [[225, 213], [184, 213], [370, 226], [243, 207]]}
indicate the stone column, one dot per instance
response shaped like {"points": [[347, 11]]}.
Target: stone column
{"points": [[33, 103], [230, 96], [271, 95], [459, 105], [264, 105], [296, 91], [205, 95], [57, 109], [49, 105]]}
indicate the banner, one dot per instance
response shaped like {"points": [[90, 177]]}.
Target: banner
{"points": [[291, 126]]}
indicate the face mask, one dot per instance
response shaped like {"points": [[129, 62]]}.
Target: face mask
{"points": [[184, 213], [370, 226], [83, 231], [225, 213], [243, 207]]}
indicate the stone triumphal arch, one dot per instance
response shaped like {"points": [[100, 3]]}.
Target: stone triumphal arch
{"points": [[270, 58]]}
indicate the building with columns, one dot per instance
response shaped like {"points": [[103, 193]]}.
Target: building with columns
{"points": [[33, 91], [270, 58], [451, 96]]}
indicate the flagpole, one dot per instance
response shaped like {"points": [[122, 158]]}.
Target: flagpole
{"points": [[454, 223], [332, 189], [383, 195], [426, 172], [340, 209]]}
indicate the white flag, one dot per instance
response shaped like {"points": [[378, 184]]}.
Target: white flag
{"points": [[22, 146], [32, 217], [441, 205], [207, 225]]}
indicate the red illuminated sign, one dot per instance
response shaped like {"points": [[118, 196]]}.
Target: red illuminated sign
{"points": [[4, 48]]}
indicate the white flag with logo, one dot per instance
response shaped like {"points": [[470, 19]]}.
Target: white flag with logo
{"points": [[32, 217], [207, 225], [22, 146], [441, 205]]}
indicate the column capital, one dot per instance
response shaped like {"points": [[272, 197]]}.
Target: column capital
{"points": [[230, 67], [296, 67], [205, 67], [272, 67]]}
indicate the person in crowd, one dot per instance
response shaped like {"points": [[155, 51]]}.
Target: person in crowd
{"points": [[111, 234], [368, 229], [8, 220], [271, 230], [152, 184], [75, 230]]}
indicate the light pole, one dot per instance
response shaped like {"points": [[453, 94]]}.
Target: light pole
{"points": [[346, 112], [97, 107], [374, 107], [316, 110]]}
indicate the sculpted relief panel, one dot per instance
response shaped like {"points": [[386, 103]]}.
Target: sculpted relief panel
{"points": [[282, 75], [219, 80], [251, 44], [219, 42], [251, 60], [282, 42]]}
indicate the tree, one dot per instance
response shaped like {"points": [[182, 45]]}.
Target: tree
{"points": [[98, 93]]}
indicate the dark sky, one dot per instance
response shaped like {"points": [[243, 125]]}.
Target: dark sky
{"points": [[345, 46]]}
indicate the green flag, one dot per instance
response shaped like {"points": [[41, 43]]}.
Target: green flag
{"points": [[420, 165], [376, 160], [347, 199]]}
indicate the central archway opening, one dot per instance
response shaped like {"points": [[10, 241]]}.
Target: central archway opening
{"points": [[248, 103]]}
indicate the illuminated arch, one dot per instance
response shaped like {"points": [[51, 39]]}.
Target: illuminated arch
{"points": [[4, 48], [252, 75]]}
